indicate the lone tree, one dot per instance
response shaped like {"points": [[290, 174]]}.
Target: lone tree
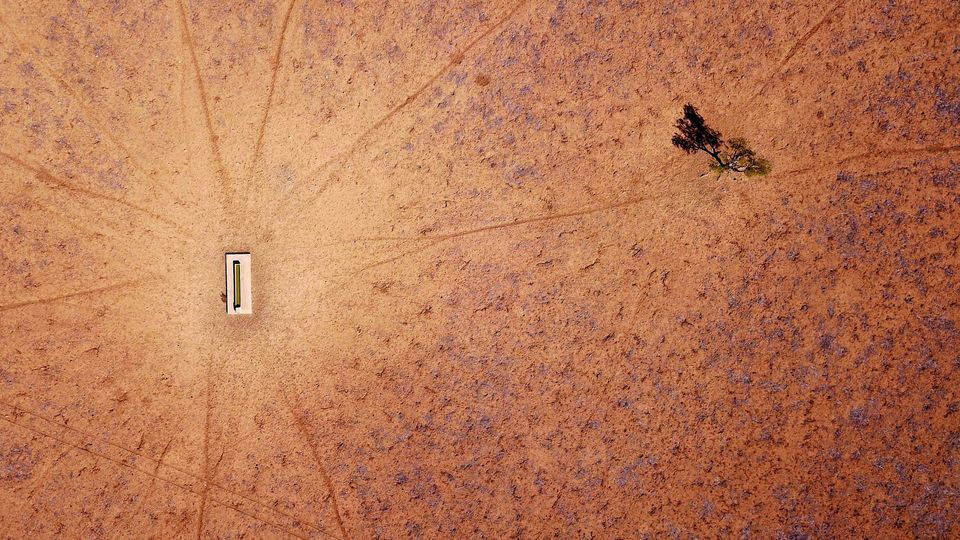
{"points": [[693, 134]]}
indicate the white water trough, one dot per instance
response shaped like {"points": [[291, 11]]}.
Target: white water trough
{"points": [[239, 293]]}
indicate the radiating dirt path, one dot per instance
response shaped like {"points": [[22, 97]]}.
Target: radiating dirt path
{"points": [[491, 300]]}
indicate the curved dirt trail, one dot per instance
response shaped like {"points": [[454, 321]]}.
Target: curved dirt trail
{"points": [[490, 299]]}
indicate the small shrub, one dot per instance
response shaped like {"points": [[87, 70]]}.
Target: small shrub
{"points": [[735, 155]]}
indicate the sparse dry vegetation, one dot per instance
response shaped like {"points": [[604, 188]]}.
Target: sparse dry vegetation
{"points": [[489, 304]]}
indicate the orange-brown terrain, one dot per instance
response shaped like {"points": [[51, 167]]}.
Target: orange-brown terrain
{"points": [[491, 300]]}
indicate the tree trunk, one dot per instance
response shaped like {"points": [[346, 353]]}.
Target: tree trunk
{"points": [[716, 155]]}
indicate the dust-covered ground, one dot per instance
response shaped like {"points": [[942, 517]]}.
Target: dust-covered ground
{"points": [[490, 299]]}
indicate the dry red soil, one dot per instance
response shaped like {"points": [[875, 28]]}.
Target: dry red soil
{"points": [[491, 300]]}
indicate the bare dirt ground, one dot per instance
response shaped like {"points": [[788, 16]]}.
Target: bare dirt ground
{"points": [[491, 300]]}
